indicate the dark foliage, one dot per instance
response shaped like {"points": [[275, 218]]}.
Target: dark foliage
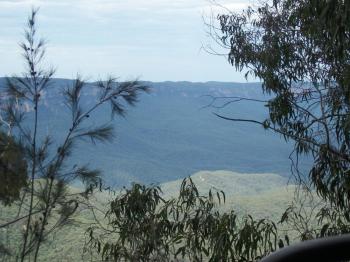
{"points": [[13, 169], [142, 226], [300, 51]]}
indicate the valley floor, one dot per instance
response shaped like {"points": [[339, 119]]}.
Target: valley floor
{"points": [[261, 195]]}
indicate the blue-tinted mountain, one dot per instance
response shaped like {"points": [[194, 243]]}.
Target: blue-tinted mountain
{"points": [[171, 133]]}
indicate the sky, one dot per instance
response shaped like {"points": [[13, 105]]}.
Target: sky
{"points": [[154, 40]]}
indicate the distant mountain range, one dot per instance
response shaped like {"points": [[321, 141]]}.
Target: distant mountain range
{"points": [[172, 133]]}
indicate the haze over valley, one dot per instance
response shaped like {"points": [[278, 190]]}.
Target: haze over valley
{"points": [[172, 133]]}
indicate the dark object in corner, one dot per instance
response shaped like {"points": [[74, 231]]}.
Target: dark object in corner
{"points": [[324, 249]]}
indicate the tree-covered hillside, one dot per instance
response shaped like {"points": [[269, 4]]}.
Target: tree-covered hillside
{"points": [[172, 133]]}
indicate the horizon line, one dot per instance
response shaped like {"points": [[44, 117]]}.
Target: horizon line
{"points": [[163, 81]]}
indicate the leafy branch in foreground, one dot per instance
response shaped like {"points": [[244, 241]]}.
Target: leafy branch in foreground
{"points": [[300, 52], [142, 226], [47, 204]]}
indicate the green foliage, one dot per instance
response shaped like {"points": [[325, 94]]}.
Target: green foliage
{"points": [[300, 51], [45, 203], [309, 220], [261, 195], [142, 226], [13, 169]]}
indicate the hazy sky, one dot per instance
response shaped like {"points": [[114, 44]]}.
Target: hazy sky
{"points": [[154, 40]]}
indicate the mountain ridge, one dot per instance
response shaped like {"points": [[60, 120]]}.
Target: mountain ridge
{"points": [[172, 133]]}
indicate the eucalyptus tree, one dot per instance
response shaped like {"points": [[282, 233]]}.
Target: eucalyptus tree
{"points": [[300, 50], [140, 225], [39, 185]]}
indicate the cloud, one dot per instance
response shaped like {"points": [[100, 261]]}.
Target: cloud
{"points": [[112, 6], [119, 35], [107, 11]]}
